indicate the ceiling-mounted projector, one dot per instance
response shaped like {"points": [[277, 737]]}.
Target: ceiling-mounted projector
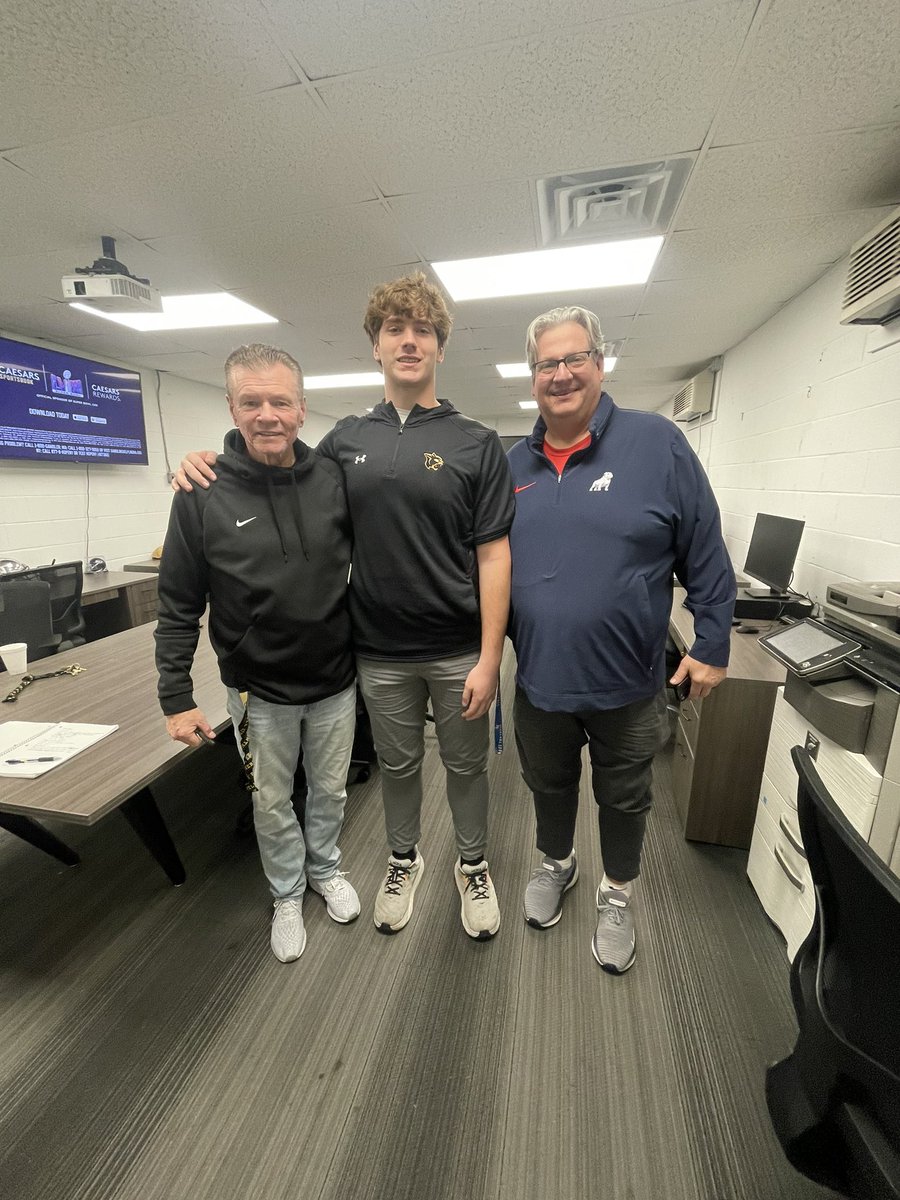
{"points": [[110, 286]]}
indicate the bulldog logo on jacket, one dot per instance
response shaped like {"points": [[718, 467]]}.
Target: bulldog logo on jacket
{"points": [[602, 484]]}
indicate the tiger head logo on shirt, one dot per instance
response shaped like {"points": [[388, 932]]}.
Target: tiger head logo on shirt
{"points": [[433, 462]]}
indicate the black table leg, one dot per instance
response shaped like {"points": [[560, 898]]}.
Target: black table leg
{"points": [[144, 817], [36, 835]]}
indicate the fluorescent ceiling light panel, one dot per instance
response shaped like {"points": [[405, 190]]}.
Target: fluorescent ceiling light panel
{"points": [[606, 264], [312, 383], [523, 371], [206, 310]]}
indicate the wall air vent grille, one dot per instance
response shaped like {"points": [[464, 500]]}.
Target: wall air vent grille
{"points": [[872, 287], [695, 398]]}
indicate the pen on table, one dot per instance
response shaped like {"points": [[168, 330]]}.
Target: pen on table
{"points": [[15, 762]]}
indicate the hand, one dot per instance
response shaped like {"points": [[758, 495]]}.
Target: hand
{"points": [[182, 727], [703, 677], [197, 466], [479, 691]]}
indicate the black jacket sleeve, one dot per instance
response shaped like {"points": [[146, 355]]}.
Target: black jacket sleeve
{"points": [[183, 587]]}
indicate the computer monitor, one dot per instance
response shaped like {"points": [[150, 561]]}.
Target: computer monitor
{"points": [[770, 556]]}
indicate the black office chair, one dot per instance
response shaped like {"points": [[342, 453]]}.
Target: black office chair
{"points": [[835, 1101], [25, 615], [66, 581]]}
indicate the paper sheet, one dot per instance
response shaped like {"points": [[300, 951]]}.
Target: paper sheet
{"points": [[31, 748]]}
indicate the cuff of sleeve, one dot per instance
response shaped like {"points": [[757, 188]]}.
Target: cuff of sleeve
{"points": [[177, 704], [714, 654]]}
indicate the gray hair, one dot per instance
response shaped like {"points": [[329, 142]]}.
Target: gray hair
{"points": [[258, 354], [589, 321]]}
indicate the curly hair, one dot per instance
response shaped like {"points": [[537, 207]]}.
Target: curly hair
{"points": [[412, 296]]}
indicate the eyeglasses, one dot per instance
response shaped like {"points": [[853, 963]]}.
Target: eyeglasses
{"points": [[549, 366]]}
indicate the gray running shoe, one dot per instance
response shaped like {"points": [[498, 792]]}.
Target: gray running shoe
{"points": [[613, 942], [545, 891], [479, 910], [394, 902]]}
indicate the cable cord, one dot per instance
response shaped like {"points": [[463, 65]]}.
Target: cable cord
{"points": [[162, 428]]}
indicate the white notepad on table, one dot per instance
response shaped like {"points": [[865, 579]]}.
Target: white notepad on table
{"points": [[31, 748]]}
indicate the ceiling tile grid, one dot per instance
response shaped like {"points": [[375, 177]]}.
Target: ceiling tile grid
{"points": [[300, 154]]}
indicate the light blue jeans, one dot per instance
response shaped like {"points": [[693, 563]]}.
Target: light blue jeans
{"points": [[276, 732]]}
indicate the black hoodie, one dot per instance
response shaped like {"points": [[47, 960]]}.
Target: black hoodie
{"points": [[270, 547]]}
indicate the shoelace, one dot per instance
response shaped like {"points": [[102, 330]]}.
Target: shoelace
{"points": [[397, 876], [479, 886], [614, 915], [335, 883]]}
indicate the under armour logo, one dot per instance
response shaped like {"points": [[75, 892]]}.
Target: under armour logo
{"points": [[602, 484], [433, 461], [360, 458]]}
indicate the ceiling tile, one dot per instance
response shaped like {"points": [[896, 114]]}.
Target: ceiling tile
{"points": [[349, 36], [769, 181], [76, 65], [815, 65], [517, 111], [254, 159], [801, 244]]}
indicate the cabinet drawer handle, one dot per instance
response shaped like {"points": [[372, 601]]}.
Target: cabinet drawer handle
{"points": [[793, 879], [790, 835]]}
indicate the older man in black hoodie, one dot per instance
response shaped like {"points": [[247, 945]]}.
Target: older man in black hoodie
{"points": [[269, 544]]}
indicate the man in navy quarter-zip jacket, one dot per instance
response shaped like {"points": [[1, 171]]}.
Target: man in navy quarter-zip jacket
{"points": [[270, 544], [609, 503], [431, 504]]}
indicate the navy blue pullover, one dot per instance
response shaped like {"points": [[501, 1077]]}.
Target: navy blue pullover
{"points": [[593, 552]]}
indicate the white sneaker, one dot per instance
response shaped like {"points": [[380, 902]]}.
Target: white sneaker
{"points": [[288, 933], [394, 902], [341, 900], [479, 910]]}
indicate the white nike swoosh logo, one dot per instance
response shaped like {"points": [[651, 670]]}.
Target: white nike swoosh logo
{"points": [[247, 522]]}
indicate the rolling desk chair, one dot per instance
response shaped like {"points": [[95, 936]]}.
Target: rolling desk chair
{"points": [[25, 615], [66, 581], [835, 1100]]}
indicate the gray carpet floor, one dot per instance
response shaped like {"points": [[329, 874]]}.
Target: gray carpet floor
{"points": [[152, 1048]]}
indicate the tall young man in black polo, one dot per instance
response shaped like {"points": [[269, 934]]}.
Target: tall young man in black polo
{"points": [[431, 504]]}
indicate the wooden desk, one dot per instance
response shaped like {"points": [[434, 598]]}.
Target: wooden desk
{"points": [[118, 688], [114, 601], [149, 564], [720, 742]]}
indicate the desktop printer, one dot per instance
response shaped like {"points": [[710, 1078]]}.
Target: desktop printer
{"points": [[879, 602]]}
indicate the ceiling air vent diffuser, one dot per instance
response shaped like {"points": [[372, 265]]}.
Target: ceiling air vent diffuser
{"points": [[872, 289], [611, 203]]}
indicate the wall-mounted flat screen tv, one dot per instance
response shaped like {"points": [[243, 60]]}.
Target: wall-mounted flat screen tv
{"points": [[57, 407]]}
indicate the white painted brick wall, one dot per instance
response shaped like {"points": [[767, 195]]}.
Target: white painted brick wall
{"points": [[808, 425]]}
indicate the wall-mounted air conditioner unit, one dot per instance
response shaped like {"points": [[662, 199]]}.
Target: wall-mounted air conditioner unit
{"points": [[872, 288], [695, 398]]}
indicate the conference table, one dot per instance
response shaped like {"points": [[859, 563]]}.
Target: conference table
{"points": [[113, 601], [118, 773]]}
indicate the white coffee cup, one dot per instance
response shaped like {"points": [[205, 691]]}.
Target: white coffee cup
{"points": [[15, 657]]}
